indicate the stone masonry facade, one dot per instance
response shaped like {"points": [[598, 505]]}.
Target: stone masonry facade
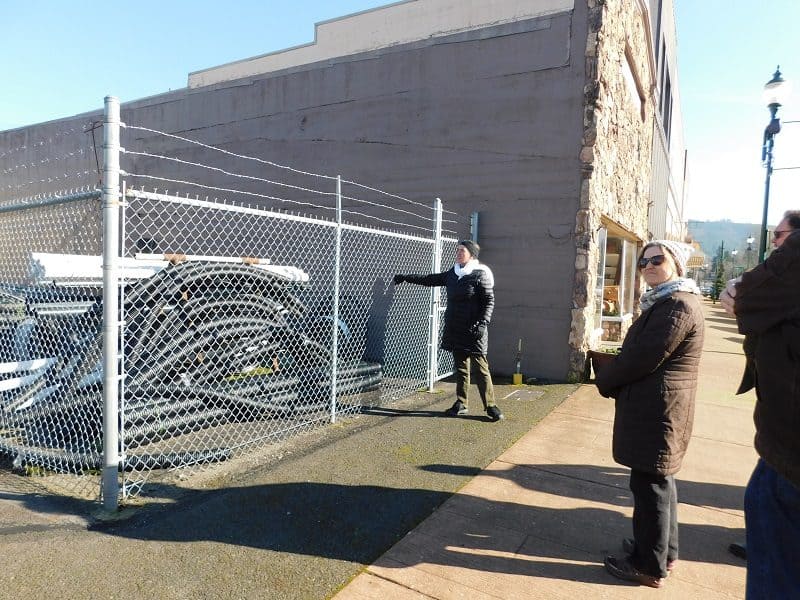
{"points": [[615, 157]]}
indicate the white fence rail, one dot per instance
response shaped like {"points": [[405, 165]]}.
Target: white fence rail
{"points": [[187, 330]]}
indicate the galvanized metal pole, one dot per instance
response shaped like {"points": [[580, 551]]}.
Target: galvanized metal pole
{"points": [[111, 204], [436, 294], [762, 242], [336, 277]]}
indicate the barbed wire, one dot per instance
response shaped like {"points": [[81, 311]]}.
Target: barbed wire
{"points": [[55, 195], [268, 162], [55, 179], [372, 189], [49, 140], [275, 198], [223, 151], [272, 182], [215, 202], [232, 174], [46, 160]]}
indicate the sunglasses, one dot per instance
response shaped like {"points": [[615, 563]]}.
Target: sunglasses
{"points": [[655, 260], [779, 233]]}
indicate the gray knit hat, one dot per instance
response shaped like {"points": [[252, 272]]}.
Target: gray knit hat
{"points": [[472, 247], [680, 252]]}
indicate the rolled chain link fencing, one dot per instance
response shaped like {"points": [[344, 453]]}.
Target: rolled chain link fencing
{"points": [[241, 321]]}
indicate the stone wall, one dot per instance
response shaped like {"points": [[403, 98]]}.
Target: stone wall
{"points": [[616, 154]]}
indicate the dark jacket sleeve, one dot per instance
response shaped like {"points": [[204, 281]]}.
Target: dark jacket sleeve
{"points": [[432, 280], [666, 327], [486, 298], [770, 292]]}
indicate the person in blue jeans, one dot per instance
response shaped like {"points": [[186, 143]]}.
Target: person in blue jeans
{"points": [[766, 302]]}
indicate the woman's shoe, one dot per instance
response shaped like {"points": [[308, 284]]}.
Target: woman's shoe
{"points": [[622, 569], [629, 545]]}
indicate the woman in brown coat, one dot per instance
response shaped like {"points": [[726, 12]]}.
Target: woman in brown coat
{"points": [[654, 380]]}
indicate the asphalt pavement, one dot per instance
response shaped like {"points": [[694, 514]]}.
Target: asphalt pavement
{"points": [[296, 523], [403, 502]]}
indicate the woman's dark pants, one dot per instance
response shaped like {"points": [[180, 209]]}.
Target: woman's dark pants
{"points": [[655, 522]]}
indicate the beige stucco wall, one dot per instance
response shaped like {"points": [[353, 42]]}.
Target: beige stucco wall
{"points": [[616, 154], [382, 27]]}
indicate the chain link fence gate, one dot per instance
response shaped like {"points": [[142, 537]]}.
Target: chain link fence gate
{"points": [[232, 326]]}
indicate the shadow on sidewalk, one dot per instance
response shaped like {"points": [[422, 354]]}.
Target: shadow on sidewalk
{"points": [[384, 411], [359, 523], [560, 480], [733, 330]]}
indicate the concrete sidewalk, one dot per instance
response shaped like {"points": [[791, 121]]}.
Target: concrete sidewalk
{"points": [[537, 522]]}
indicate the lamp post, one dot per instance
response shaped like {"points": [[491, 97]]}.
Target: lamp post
{"points": [[775, 92], [749, 251]]}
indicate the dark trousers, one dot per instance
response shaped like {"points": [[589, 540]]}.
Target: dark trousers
{"points": [[772, 523], [655, 522], [484, 378]]}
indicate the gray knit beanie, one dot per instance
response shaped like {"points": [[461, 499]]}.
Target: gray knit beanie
{"points": [[680, 252], [472, 247]]}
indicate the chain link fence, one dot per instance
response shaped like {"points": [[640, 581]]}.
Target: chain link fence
{"points": [[49, 341], [240, 323]]}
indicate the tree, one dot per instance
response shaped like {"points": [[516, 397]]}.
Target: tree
{"points": [[719, 279], [719, 285]]}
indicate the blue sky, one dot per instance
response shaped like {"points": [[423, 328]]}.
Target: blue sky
{"points": [[727, 51], [68, 55]]}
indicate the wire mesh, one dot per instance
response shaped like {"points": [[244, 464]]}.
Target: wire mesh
{"points": [[50, 399], [242, 324], [231, 341]]}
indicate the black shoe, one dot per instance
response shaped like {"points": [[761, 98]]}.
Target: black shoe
{"points": [[622, 569], [738, 549], [495, 414], [629, 545], [457, 409]]}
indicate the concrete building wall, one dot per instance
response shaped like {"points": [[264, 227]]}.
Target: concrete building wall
{"points": [[529, 121], [668, 191], [392, 25]]}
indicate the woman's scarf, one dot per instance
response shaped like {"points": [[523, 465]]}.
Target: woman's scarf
{"points": [[682, 284], [471, 266], [467, 268]]}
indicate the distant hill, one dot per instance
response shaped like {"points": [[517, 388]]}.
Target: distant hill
{"points": [[710, 234]]}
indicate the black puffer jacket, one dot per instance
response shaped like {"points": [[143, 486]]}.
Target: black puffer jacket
{"points": [[767, 308], [654, 380], [470, 302]]}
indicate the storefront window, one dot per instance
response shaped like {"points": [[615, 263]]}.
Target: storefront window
{"points": [[616, 282], [631, 254], [598, 289]]}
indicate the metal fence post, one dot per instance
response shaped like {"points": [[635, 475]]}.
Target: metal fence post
{"points": [[111, 350], [336, 284], [433, 335]]}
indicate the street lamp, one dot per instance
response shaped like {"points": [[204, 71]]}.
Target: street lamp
{"points": [[749, 250], [775, 92], [733, 261]]}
